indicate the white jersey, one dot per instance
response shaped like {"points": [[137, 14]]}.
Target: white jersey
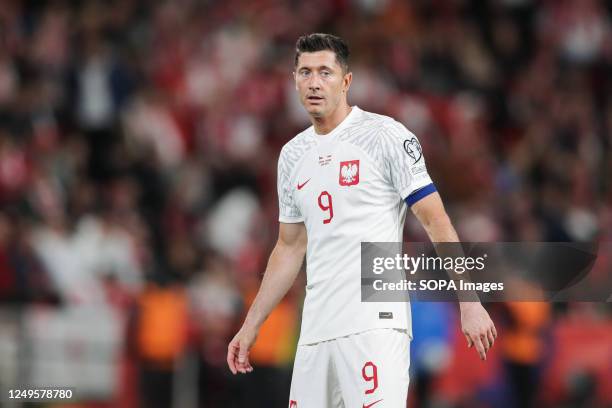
{"points": [[348, 186]]}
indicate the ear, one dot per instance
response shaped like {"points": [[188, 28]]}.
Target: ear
{"points": [[348, 78], [295, 81]]}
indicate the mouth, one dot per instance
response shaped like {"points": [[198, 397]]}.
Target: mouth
{"points": [[314, 99]]}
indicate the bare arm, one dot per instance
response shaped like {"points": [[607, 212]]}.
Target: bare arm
{"points": [[431, 214], [283, 267], [476, 324]]}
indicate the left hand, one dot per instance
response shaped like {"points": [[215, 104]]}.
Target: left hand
{"points": [[477, 327]]}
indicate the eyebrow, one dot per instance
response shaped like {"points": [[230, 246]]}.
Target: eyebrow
{"points": [[320, 67]]}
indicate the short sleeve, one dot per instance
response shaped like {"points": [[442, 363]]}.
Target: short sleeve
{"points": [[288, 212], [403, 160]]}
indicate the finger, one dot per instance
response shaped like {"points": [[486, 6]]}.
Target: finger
{"points": [[242, 359], [494, 330], [231, 358], [469, 341], [491, 337], [479, 347], [485, 341], [247, 367]]}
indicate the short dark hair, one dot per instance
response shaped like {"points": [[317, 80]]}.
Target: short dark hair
{"points": [[321, 42]]}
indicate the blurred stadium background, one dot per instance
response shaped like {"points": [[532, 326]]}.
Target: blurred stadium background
{"points": [[138, 148]]}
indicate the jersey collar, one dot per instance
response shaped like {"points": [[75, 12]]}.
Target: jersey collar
{"points": [[338, 129]]}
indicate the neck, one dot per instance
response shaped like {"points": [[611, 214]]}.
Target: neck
{"points": [[324, 125]]}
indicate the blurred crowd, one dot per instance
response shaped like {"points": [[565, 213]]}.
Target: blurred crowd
{"points": [[138, 149]]}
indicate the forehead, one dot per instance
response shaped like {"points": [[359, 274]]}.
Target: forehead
{"points": [[317, 59]]}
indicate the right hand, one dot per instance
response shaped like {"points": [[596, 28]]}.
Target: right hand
{"points": [[238, 351]]}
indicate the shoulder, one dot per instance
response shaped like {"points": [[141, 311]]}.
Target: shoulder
{"points": [[298, 145], [379, 119], [294, 150], [392, 131], [391, 127], [377, 125], [375, 133]]}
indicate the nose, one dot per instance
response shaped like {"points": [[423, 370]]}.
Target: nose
{"points": [[314, 83]]}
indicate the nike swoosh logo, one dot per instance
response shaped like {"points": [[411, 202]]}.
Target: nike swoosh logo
{"points": [[369, 405], [303, 184]]}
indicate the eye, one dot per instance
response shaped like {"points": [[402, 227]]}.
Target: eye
{"points": [[325, 73], [305, 73]]}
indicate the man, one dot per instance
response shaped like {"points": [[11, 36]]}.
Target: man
{"points": [[342, 181]]}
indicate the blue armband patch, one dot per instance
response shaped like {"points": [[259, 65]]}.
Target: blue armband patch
{"points": [[420, 193]]}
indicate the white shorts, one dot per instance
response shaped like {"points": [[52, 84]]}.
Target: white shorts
{"points": [[363, 370]]}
